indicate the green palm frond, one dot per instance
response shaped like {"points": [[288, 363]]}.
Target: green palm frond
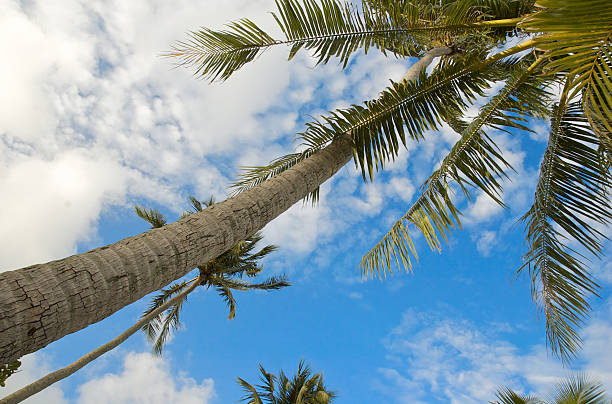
{"points": [[474, 161], [153, 216], [571, 199], [251, 396], [577, 38], [329, 28], [506, 396], [579, 389], [158, 330], [228, 297], [379, 127]]}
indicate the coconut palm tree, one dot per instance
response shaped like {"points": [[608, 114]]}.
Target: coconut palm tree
{"points": [[302, 388], [576, 389], [561, 42], [223, 273]]}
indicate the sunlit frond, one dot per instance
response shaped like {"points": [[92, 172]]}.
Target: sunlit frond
{"points": [[379, 128], [571, 201], [153, 216], [474, 161], [577, 38]]}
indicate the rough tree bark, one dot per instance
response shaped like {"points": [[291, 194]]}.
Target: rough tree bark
{"points": [[40, 304]]}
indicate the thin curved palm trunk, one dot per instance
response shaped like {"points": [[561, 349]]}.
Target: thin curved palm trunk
{"points": [[63, 373], [42, 303]]}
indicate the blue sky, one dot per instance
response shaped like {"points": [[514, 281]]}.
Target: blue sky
{"points": [[94, 122]]}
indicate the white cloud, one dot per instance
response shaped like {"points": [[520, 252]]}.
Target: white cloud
{"points": [[47, 205], [485, 242], [146, 379], [401, 187], [450, 360]]}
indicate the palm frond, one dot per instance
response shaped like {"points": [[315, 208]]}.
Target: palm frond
{"points": [[474, 161], [579, 389], [228, 297], [272, 283], [252, 396], [329, 28], [571, 199], [577, 38], [506, 396], [267, 385], [153, 216], [379, 127], [157, 330]]}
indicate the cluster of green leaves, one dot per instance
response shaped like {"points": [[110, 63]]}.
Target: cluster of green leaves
{"points": [[223, 273], [302, 388], [8, 370]]}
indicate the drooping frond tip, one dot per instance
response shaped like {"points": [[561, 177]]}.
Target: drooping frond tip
{"points": [[571, 202]]}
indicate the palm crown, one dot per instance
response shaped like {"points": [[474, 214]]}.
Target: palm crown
{"points": [[566, 43], [223, 273], [302, 388]]}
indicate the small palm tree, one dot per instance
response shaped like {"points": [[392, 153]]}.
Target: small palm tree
{"points": [[577, 389], [223, 273], [303, 388]]}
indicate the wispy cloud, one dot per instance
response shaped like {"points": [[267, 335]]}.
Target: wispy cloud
{"points": [[433, 358]]}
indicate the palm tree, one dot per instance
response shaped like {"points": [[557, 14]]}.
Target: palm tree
{"points": [[567, 42], [303, 388], [577, 389], [223, 273]]}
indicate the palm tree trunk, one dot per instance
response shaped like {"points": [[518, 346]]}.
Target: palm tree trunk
{"points": [[42, 303], [63, 373]]}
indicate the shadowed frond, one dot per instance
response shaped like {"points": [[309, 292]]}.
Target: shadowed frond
{"points": [[474, 161], [153, 216], [158, 329], [329, 28], [577, 38], [571, 200]]}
